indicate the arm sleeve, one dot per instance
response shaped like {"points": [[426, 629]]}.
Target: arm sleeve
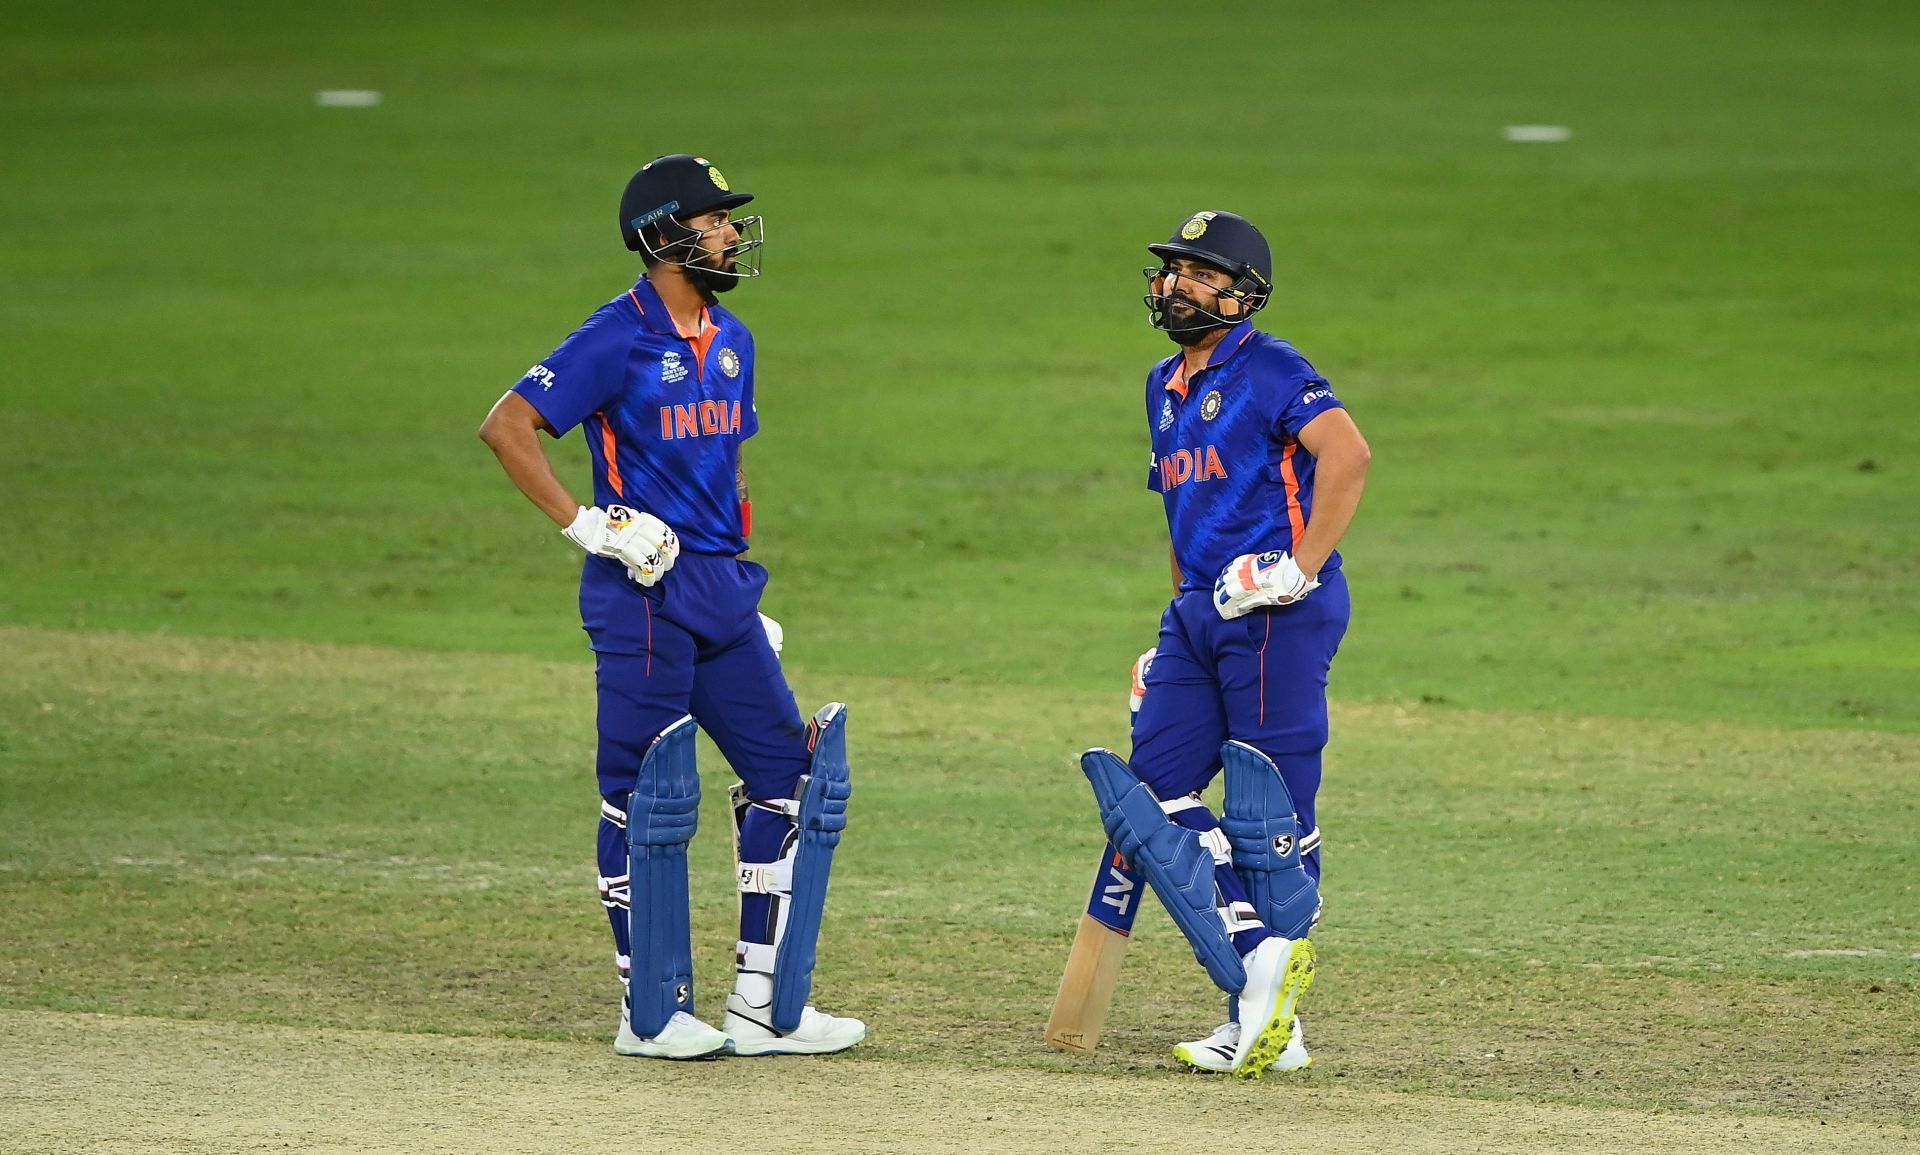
{"points": [[582, 376], [1308, 399]]}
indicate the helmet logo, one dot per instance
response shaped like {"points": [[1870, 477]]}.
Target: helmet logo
{"points": [[1196, 226], [719, 181]]}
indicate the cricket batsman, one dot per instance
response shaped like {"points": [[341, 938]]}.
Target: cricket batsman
{"points": [[661, 381], [1260, 469]]}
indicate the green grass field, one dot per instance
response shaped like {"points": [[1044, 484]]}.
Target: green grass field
{"points": [[1622, 807]]}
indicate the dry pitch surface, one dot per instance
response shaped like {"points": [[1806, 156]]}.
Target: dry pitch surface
{"points": [[100, 1084]]}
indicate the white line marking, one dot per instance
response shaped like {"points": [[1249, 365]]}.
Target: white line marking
{"points": [[347, 98], [1538, 133]]}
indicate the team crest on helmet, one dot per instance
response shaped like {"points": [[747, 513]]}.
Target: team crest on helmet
{"points": [[713, 174], [1196, 226], [1210, 408], [729, 362]]}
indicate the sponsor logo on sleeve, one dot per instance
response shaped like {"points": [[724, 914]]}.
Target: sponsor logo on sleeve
{"points": [[541, 374]]}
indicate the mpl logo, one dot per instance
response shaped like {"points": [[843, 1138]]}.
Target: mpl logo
{"points": [[541, 374]]}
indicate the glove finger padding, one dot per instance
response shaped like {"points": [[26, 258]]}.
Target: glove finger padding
{"points": [[1254, 580], [641, 542]]}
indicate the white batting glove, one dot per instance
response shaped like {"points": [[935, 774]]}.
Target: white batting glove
{"points": [[1253, 580], [1141, 665], [775, 635], [639, 541]]}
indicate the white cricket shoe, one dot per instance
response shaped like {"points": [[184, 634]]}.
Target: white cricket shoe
{"points": [[684, 1037], [1215, 1052], [817, 1034], [1279, 971]]}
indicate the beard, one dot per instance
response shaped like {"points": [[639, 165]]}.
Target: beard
{"points": [[1186, 326], [712, 274]]}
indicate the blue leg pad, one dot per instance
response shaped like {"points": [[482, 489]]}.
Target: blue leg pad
{"points": [[1175, 863], [1264, 832], [661, 815], [821, 815]]}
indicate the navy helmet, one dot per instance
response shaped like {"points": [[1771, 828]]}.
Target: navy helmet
{"points": [[670, 190], [1230, 243]]}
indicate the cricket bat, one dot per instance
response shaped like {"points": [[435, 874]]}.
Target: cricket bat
{"points": [[1099, 947]]}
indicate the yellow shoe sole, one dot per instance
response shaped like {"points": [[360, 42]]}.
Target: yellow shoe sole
{"points": [[1279, 1029]]}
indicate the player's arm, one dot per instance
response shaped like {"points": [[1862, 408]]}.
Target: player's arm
{"points": [[1341, 458], [1173, 560], [512, 430]]}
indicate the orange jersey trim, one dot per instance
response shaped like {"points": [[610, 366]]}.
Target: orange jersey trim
{"points": [[1295, 516], [611, 450], [1178, 382], [702, 343]]}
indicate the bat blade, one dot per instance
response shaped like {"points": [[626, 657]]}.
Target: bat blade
{"points": [[1093, 965]]}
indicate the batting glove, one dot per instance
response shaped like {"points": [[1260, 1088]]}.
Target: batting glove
{"points": [[1140, 666], [1263, 579], [639, 541], [776, 637]]}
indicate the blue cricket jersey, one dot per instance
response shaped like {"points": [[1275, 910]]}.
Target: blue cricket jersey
{"points": [[664, 415], [1227, 459]]}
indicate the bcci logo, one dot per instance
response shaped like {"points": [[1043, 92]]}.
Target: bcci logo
{"points": [[729, 362], [713, 174], [1196, 226], [1210, 408]]}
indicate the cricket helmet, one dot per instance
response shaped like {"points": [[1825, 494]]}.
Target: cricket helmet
{"points": [[670, 190], [1230, 243]]}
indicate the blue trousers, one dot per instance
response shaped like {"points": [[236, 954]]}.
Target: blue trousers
{"points": [[691, 644], [1259, 679]]}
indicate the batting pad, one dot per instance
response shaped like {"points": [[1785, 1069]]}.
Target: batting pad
{"points": [[661, 816], [1264, 831], [821, 814], [1177, 865]]}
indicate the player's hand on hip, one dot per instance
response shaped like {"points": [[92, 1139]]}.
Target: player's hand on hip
{"points": [[776, 637], [1253, 580], [639, 541], [1140, 666]]}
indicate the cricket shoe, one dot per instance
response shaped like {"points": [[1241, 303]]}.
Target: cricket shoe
{"points": [[1215, 1052], [1279, 971], [684, 1037], [817, 1034]]}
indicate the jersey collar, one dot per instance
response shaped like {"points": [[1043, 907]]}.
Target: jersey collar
{"points": [[1222, 353], [653, 311]]}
